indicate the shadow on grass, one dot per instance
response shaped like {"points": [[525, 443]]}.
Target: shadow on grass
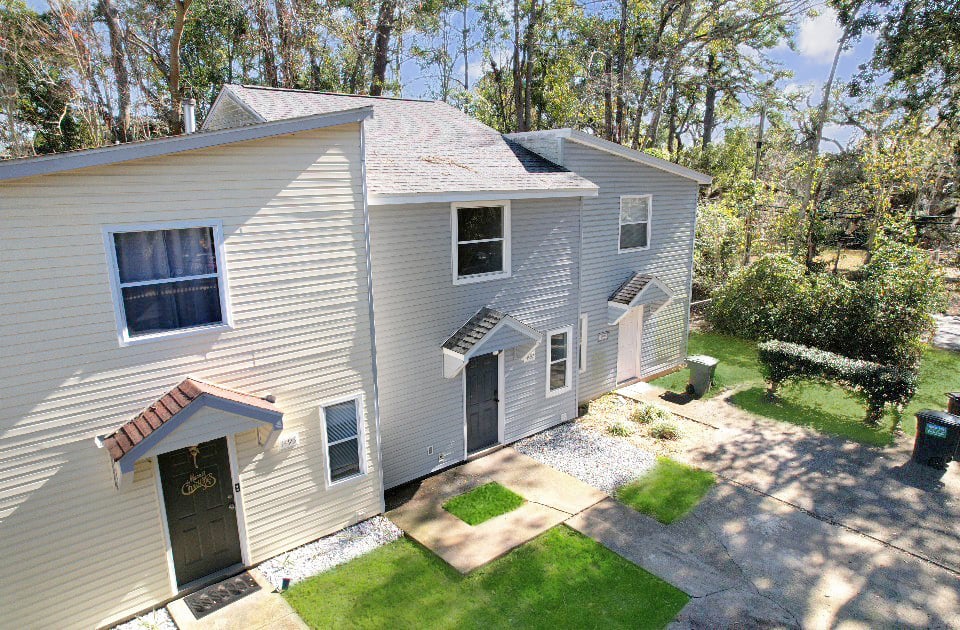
{"points": [[809, 406]]}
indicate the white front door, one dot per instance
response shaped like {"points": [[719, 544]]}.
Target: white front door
{"points": [[628, 345]]}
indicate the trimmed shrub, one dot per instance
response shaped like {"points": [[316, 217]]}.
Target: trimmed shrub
{"points": [[665, 431], [878, 385], [619, 429], [646, 413]]}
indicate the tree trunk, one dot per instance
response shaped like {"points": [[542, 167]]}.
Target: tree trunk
{"points": [[121, 130], [710, 102], [619, 134], [266, 44], [819, 120], [607, 99], [287, 46], [466, 46], [528, 57], [173, 78], [517, 84], [381, 50]]}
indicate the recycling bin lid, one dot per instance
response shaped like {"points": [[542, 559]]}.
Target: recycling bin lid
{"points": [[938, 416], [703, 359]]}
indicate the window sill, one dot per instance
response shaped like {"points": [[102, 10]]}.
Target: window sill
{"points": [[557, 392], [481, 277], [633, 249], [173, 334], [347, 480]]}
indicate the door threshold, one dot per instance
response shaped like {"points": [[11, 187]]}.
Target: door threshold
{"points": [[217, 576], [482, 452]]}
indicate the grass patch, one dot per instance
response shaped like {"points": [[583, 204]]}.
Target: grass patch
{"points": [[559, 580], [827, 408], [738, 363], [483, 503], [668, 492]]}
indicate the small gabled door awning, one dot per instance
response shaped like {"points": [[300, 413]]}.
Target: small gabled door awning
{"points": [[488, 331], [640, 288], [144, 435]]}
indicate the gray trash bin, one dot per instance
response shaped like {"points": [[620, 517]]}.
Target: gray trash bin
{"points": [[701, 373]]}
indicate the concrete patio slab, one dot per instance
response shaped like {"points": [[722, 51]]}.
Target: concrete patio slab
{"points": [[551, 498], [260, 610]]}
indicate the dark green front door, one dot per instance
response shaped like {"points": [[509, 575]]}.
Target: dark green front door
{"points": [[483, 402], [201, 511]]}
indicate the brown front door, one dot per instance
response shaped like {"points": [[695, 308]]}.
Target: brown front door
{"points": [[483, 402], [198, 495]]}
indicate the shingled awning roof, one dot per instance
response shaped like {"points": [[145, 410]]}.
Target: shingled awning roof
{"points": [[640, 288], [489, 330], [141, 433]]}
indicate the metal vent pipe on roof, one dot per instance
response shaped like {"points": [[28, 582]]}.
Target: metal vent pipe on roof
{"points": [[189, 115]]}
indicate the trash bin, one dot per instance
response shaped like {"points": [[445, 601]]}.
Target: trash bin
{"points": [[701, 373], [938, 435]]}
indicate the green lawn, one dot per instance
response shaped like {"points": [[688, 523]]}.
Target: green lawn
{"points": [[830, 409], [558, 580], [483, 503], [668, 492], [738, 363]]}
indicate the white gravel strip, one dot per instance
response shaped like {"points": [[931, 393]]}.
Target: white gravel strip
{"points": [[155, 620], [605, 462], [326, 553]]}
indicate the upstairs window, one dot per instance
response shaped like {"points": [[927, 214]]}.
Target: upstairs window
{"points": [[635, 214], [481, 242], [343, 434], [559, 366], [168, 280]]}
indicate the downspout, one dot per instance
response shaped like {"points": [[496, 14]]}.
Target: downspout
{"points": [[370, 309]]}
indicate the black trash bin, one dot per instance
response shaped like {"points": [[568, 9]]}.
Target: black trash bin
{"points": [[938, 437]]}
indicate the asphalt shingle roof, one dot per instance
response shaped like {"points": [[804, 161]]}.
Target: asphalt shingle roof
{"points": [[474, 330], [131, 433], [630, 289], [421, 147]]}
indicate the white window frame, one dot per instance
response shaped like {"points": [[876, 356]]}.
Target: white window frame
{"points": [[584, 336], [569, 359], [226, 313], [620, 223], [361, 438], [454, 259]]}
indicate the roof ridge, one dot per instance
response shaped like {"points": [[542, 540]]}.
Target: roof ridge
{"points": [[267, 88]]}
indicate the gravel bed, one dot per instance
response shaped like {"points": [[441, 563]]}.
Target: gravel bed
{"points": [[154, 620], [603, 461], [326, 553]]}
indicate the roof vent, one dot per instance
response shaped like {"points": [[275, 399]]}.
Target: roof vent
{"points": [[189, 115]]}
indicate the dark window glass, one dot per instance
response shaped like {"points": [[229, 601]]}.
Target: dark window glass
{"points": [[477, 258], [558, 347], [477, 224], [558, 375], [162, 254], [633, 235], [343, 439], [166, 306]]}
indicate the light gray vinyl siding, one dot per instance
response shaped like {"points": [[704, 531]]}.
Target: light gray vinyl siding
{"points": [[418, 307], [503, 339], [603, 268]]}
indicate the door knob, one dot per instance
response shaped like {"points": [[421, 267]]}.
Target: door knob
{"points": [[231, 506]]}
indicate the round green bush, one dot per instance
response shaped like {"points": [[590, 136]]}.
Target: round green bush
{"points": [[619, 429], [646, 413]]}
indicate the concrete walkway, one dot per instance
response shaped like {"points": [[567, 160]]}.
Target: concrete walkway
{"points": [[263, 609], [551, 498], [948, 332]]}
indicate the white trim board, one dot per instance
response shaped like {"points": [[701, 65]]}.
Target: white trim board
{"points": [[587, 139], [469, 196], [59, 162], [568, 330]]}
